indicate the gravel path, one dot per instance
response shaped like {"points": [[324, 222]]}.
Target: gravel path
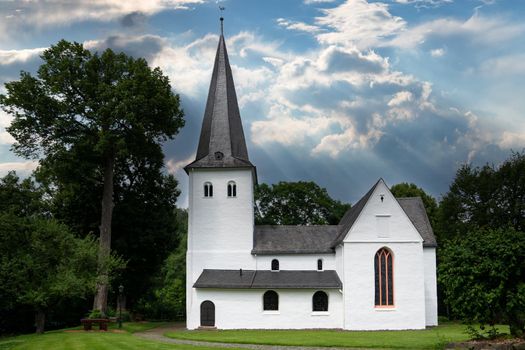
{"points": [[157, 334]]}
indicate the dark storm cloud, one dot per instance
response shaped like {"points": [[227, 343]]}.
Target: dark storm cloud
{"points": [[339, 60], [146, 46], [134, 19], [13, 63]]}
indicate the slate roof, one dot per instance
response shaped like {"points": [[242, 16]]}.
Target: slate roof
{"points": [[351, 215], [415, 210], [251, 279], [221, 126], [288, 239], [412, 206]]}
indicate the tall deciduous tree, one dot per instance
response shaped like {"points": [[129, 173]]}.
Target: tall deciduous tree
{"points": [[296, 203], [109, 104], [489, 196]]}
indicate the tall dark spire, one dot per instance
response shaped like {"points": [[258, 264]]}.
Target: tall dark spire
{"points": [[221, 143]]}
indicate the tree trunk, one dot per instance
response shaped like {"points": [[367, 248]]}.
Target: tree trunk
{"points": [[516, 325], [40, 321], [101, 295]]}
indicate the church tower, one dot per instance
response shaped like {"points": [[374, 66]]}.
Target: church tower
{"points": [[221, 186]]}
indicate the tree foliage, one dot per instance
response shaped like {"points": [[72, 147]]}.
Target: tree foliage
{"points": [[91, 113], [483, 274], [404, 190], [167, 297], [42, 264], [296, 203], [489, 196]]}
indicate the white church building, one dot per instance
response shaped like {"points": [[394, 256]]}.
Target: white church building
{"points": [[375, 270]]}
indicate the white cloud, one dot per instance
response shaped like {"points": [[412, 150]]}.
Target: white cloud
{"points": [[437, 52], [175, 167], [30, 15], [188, 66], [424, 3], [60, 12], [6, 138], [511, 139], [334, 144], [5, 121], [20, 167], [299, 114], [400, 98], [504, 65], [299, 26], [357, 22], [478, 30], [19, 56]]}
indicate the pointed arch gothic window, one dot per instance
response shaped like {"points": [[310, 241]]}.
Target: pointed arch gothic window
{"points": [[320, 301], [232, 189], [208, 189], [384, 278]]}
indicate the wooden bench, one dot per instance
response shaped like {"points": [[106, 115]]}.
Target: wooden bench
{"points": [[88, 323]]}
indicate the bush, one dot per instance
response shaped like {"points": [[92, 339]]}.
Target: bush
{"points": [[483, 275]]}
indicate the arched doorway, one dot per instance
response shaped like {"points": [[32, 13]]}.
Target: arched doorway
{"points": [[207, 314]]}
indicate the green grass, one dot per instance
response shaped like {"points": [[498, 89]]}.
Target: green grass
{"points": [[434, 338], [60, 340], [133, 327]]}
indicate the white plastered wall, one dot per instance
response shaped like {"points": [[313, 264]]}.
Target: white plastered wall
{"points": [[296, 261], [243, 308], [220, 229], [383, 223], [429, 254]]}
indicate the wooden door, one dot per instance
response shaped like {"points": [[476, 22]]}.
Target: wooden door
{"points": [[207, 314]]}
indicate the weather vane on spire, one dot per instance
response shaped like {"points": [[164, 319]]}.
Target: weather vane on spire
{"points": [[221, 8]]}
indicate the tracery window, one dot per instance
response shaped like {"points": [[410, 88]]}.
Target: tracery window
{"points": [[384, 278], [208, 189], [232, 189], [320, 301], [270, 301]]}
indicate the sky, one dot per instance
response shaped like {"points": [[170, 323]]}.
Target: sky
{"points": [[340, 92]]}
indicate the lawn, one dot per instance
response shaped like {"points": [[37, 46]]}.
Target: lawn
{"points": [[79, 340], [434, 338]]}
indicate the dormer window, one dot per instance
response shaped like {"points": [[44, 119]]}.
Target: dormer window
{"points": [[208, 189], [232, 189], [275, 265]]}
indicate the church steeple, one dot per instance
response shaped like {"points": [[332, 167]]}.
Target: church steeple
{"points": [[221, 143]]}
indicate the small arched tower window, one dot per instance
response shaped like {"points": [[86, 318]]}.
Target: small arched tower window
{"points": [[320, 301], [275, 265], [208, 189], [319, 264], [384, 278], [232, 189], [270, 301]]}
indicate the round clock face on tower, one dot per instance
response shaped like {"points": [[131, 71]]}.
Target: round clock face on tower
{"points": [[219, 155]]}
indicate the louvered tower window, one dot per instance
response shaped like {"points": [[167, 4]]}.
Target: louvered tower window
{"points": [[232, 189], [208, 189]]}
